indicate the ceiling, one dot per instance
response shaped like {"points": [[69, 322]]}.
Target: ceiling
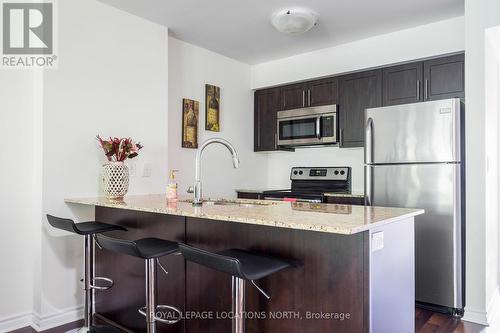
{"points": [[242, 30]]}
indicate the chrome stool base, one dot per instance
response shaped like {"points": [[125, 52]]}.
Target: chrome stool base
{"points": [[149, 311], [238, 305], [90, 284]]}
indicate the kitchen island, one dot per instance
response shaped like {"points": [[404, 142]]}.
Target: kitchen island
{"points": [[356, 270]]}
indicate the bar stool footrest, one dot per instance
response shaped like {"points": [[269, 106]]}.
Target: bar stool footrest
{"points": [[93, 285], [142, 311], [98, 279]]}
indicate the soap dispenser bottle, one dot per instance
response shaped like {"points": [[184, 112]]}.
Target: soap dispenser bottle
{"points": [[172, 187]]}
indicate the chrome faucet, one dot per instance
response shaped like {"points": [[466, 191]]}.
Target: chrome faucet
{"points": [[197, 181]]}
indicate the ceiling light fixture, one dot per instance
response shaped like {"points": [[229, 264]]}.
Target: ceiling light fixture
{"points": [[294, 21]]}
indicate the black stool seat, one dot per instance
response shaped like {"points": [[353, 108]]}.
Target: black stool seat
{"points": [[83, 228], [239, 263], [88, 230], [146, 248]]}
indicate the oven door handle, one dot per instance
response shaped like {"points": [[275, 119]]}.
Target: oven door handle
{"points": [[318, 127], [297, 200]]}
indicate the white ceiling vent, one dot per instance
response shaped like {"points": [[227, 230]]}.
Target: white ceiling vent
{"points": [[294, 21]]}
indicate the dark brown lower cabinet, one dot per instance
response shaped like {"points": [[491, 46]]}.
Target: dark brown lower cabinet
{"points": [[250, 195], [345, 200]]}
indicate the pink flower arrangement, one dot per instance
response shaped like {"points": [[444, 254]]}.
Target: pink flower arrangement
{"points": [[119, 149]]}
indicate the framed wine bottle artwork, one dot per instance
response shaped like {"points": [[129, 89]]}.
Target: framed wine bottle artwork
{"points": [[190, 115], [212, 108]]}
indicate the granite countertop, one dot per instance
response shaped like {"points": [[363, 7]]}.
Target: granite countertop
{"points": [[330, 218]]}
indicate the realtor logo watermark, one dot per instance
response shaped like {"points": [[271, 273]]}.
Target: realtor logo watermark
{"points": [[28, 35]]}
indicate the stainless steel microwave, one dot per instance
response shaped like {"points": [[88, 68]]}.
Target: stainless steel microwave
{"points": [[307, 126]]}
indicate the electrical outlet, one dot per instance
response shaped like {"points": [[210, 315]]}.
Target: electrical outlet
{"points": [[133, 169], [146, 171], [377, 241]]}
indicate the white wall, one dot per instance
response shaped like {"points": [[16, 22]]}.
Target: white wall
{"points": [[113, 80], [481, 284], [16, 179], [399, 46], [492, 109], [492, 71], [190, 68]]}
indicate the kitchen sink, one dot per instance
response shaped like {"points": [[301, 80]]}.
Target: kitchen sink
{"points": [[240, 203]]}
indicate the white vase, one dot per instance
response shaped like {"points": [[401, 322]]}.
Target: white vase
{"points": [[115, 179]]}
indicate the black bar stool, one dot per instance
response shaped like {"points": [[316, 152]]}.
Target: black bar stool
{"points": [[149, 249], [88, 230], [242, 266]]}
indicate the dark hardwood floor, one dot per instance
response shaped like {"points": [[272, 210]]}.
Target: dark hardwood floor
{"points": [[432, 322], [425, 322]]}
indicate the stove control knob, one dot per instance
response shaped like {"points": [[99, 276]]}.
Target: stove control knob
{"points": [[295, 172], [342, 172], [301, 172], [336, 172]]}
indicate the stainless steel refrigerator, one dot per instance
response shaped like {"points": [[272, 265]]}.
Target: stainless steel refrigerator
{"points": [[414, 158]]}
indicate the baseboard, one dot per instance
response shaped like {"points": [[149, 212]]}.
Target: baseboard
{"points": [[475, 316], [41, 323], [15, 322], [484, 317]]}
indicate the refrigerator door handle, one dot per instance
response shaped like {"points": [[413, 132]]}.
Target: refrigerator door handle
{"points": [[368, 185], [369, 141], [368, 161]]}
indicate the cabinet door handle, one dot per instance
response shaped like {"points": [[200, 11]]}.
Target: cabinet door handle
{"points": [[341, 137], [426, 89], [309, 97], [303, 98], [318, 128], [418, 90]]}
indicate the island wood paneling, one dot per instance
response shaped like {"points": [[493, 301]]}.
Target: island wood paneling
{"points": [[333, 277]]}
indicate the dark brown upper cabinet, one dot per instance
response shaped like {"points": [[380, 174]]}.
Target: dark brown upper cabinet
{"points": [[444, 78], [419, 81], [266, 106], [323, 92], [403, 84], [428, 80], [358, 92], [293, 96], [314, 93]]}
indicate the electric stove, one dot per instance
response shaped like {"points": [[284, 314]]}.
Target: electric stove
{"points": [[310, 184]]}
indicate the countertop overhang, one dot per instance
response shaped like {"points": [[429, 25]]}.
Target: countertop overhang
{"points": [[330, 218]]}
